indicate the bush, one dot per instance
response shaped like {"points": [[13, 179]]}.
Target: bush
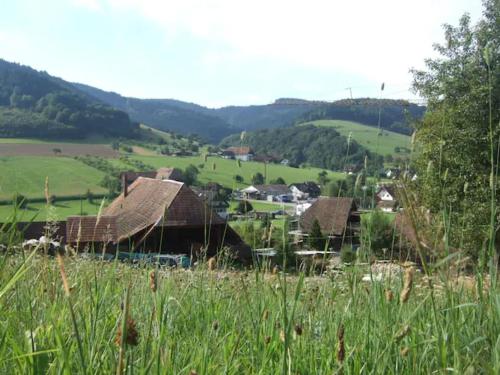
{"points": [[347, 255], [244, 207]]}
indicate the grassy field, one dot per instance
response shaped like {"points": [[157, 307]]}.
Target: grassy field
{"points": [[59, 211], [113, 318], [226, 169], [258, 206], [368, 136], [26, 175]]}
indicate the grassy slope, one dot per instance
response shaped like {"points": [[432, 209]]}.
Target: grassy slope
{"points": [[26, 175], [368, 135]]}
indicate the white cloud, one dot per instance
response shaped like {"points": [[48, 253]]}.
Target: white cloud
{"points": [[380, 40]]}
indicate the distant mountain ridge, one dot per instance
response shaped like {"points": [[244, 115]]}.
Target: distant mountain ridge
{"points": [[35, 104]]}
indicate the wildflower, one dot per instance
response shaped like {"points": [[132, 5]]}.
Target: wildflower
{"points": [[407, 285], [153, 282], [404, 351], [132, 338], [298, 329], [341, 346], [389, 295]]}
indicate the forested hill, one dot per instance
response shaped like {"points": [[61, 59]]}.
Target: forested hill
{"points": [[167, 114], [395, 115], [321, 147], [35, 104]]}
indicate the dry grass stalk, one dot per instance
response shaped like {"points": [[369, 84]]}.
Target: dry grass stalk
{"points": [[60, 261], [265, 315], [404, 351], [407, 285]]}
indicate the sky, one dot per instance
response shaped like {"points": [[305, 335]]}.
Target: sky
{"points": [[230, 52]]}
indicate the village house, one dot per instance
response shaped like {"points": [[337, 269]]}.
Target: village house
{"points": [[305, 190], [243, 153], [270, 192], [211, 195], [156, 216], [338, 219], [386, 198]]}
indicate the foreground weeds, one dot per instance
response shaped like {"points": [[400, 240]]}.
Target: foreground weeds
{"points": [[102, 318]]}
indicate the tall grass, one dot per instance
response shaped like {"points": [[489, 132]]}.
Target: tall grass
{"points": [[239, 322]]}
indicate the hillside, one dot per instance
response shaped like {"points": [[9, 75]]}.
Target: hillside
{"points": [[394, 115], [166, 114], [322, 147], [35, 104], [368, 136]]}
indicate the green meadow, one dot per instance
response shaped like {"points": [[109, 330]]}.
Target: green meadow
{"points": [[368, 136]]}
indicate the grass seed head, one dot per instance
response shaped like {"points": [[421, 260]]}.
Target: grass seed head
{"points": [[265, 314], [404, 351], [267, 340], [341, 344], [132, 338], [389, 295], [153, 281], [298, 329], [407, 285], [402, 333], [211, 264]]}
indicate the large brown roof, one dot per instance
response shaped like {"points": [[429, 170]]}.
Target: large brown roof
{"points": [[158, 202], [91, 229], [332, 214], [245, 150]]}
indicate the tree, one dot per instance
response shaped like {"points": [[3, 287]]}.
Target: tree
{"points": [[190, 175], [278, 181], [388, 158], [323, 178], [244, 207], [376, 233], [257, 179], [316, 239], [238, 178], [56, 151], [115, 145], [457, 139]]}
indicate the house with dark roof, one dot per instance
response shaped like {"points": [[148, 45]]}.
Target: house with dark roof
{"points": [[305, 190], [156, 216], [338, 219], [386, 198]]}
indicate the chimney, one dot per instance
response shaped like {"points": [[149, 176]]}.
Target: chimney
{"points": [[124, 184]]}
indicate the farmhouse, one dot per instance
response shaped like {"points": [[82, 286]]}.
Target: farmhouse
{"points": [[338, 219], [269, 192], [243, 153], [153, 215], [305, 190], [386, 198]]}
